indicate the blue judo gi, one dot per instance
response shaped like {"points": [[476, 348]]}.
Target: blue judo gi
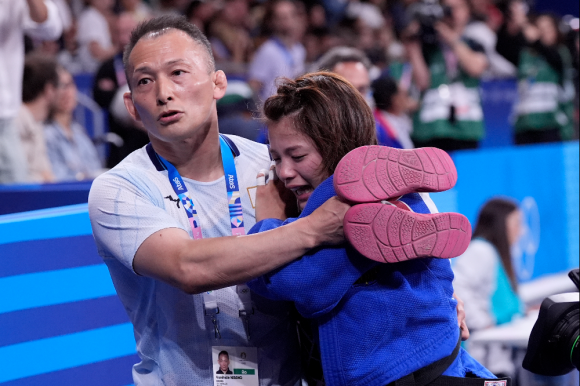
{"points": [[377, 332]]}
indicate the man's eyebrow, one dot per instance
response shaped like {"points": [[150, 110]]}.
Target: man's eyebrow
{"points": [[169, 63], [142, 69], [175, 61]]}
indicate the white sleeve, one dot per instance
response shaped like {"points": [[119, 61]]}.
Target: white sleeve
{"points": [[124, 212], [475, 277], [429, 202], [50, 29], [260, 67], [93, 27]]}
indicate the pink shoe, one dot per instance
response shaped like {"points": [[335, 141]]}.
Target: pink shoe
{"points": [[374, 173], [388, 234]]}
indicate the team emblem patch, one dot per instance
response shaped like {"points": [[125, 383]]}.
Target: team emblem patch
{"points": [[495, 383]]}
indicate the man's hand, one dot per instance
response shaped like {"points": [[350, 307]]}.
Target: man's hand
{"points": [[472, 62], [447, 34], [273, 200], [461, 318], [326, 222], [411, 33]]}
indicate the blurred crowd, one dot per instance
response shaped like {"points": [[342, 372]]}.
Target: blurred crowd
{"points": [[418, 63]]}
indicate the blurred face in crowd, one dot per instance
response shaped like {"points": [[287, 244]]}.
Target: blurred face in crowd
{"points": [[66, 93], [357, 74], [460, 14], [514, 226], [298, 163], [548, 30], [235, 12], [125, 24], [173, 90], [400, 102], [286, 19]]}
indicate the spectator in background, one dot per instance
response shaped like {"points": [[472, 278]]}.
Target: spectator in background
{"points": [[37, 18], [72, 155], [391, 112], [482, 28], [109, 86], [354, 66], [94, 36], [138, 9], [282, 54], [170, 7], [69, 56], [544, 112], [228, 33], [38, 93], [199, 13], [486, 281], [447, 71], [235, 112]]}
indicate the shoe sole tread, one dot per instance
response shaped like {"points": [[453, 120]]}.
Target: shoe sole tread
{"points": [[374, 173], [387, 234]]}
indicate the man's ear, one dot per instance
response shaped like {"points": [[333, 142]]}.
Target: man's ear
{"points": [[220, 84], [131, 106]]}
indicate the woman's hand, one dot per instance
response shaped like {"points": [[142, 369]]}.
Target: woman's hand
{"points": [[273, 200], [461, 318]]}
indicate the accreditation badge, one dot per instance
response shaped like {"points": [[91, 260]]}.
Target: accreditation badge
{"points": [[235, 366]]}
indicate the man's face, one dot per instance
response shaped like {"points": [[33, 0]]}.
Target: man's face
{"points": [[460, 13], [224, 362], [357, 74], [285, 18], [173, 92]]}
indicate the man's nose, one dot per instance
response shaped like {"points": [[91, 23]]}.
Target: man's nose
{"points": [[164, 91]]}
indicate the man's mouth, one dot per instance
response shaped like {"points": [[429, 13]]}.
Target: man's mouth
{"points": [[169, 116]]}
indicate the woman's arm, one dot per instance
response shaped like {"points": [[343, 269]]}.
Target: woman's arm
{"points": [[317, 281]]}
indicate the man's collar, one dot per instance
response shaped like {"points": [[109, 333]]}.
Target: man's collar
{"points": [[159, 166]]}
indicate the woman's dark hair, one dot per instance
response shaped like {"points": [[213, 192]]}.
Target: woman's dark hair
{"points": [[327, 109], [491, 225]]}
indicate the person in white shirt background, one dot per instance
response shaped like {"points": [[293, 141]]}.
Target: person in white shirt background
{"points": [[39, 19]]}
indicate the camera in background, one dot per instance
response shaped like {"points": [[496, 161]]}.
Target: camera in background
{"points": [[427, 13], [553, 344]]}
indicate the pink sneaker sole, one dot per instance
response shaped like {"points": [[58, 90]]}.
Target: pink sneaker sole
{"points": [[373, 173], [387, 234]]}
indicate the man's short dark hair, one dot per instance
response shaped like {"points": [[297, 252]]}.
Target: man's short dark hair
{"points": [[163, 24], [341, 55], [384, 88], [39, 71], [224, 353]]}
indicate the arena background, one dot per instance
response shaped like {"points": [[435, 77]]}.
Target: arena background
{"points": [[56, 330]]}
